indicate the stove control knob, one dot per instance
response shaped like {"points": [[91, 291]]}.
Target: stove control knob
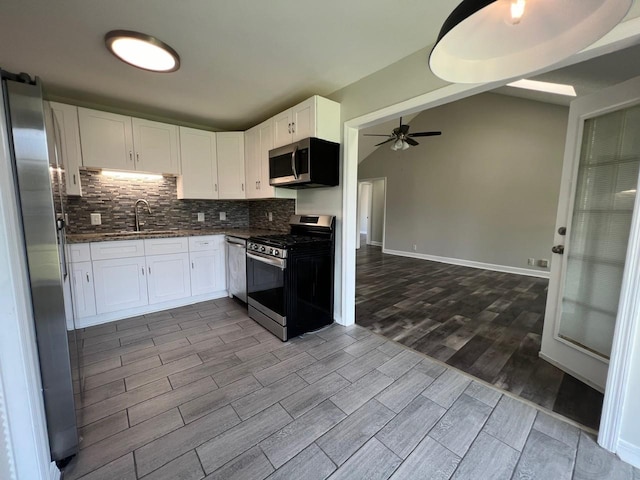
{"points": [[276, 253], [271, 251], [263, 249]]}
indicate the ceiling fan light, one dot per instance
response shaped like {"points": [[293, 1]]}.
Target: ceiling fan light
{"points": [[397, 145], [405, 145], [477, 45], [142, 51]]}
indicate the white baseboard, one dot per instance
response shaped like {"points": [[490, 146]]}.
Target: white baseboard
{"points": [[54, 473], [470, 263], [146, 309], [629, 453], [375, 244]]}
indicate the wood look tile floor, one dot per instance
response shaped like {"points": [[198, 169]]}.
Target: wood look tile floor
{"points": [[204, 392], [488, 324]]}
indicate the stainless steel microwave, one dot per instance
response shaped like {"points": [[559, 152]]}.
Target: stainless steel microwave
{"points": [[309, 163]]}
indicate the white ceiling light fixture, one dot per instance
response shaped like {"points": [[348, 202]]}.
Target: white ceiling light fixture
{"points": [[142, 51], [491, 40], [548, 87]]}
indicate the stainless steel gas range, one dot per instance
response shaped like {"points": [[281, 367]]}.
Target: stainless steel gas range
{"points": [[290, 277]]}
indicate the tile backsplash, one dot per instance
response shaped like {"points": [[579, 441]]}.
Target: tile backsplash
{"points": [[114, 199]]}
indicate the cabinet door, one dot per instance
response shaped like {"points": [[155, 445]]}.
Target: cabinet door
{"points": [[156, 146], [199, 179], [168, 277], [230, 146], [252, 162], [208, 273], [66, 133], [266, 132], [106, 140], [282, 129], [120, 283], [84, 300], [303, 118]]}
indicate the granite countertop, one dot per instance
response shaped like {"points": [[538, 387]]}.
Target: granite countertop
{"points": [[102, 237]]}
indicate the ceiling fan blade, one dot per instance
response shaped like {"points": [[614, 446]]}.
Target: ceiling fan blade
{"points": [[411, 141], [386, 141], [404, 129], [425, 134], [374, 135]]}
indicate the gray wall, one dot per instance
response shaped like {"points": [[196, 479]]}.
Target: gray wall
{"points": [[486, 190]]}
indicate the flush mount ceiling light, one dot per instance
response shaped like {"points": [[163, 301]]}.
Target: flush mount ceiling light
{"points": [[548, 87], [490, 40], [142, 51]]}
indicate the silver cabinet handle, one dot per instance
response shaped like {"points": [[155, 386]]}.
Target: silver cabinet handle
{"points": [[293, 127], [259, 184], [130, 156], [256, 185], [215, 185], [149, 270], [242, 185], [87, 278], [192, 266], [142, 271], [289, 127], [137, 157], [74, 179]]}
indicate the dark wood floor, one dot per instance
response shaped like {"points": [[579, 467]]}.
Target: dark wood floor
{"points": [[488, 324]]}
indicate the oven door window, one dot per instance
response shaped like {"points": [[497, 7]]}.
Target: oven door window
{"points": [[265, 285]]}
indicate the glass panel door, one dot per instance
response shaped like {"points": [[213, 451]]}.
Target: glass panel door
{"points": [[598, 235]]}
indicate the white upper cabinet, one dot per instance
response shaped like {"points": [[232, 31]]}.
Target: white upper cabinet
{"points": [[120, 142], [156, 146], [66, 136], [252, 162], [230, 148], [107, 140], [199, 179], [315, 117]]}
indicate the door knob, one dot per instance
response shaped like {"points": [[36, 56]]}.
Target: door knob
{"points": [[562, 231], [559, 249]]}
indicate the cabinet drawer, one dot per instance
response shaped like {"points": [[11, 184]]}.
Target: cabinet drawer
{"points": [[205, 242], [117, 249], [79, 252], [161, 246]]}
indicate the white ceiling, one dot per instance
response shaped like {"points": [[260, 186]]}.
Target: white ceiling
{"points": [[241, 61]]}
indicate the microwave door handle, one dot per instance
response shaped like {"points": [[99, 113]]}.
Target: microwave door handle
{"points": [[293, 162]]}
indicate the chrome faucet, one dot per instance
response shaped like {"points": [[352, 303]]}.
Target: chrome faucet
{"points": [[135, 210]]}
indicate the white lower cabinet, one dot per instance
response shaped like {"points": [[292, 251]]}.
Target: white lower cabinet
{"points": [[84, 299], [168, 277], [208, 271], [117, 279], [120, 283]]}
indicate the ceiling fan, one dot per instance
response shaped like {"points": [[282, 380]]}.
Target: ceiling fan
{"points": [[401, 137]]}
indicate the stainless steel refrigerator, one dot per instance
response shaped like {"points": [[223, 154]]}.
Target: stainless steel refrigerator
{"points": [[43, 231]]}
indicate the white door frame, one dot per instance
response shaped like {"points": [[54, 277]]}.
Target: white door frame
{"points": [[624, 35], [384, 208]]}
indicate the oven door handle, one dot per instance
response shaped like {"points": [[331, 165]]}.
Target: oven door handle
{"points": [[276, 262]]}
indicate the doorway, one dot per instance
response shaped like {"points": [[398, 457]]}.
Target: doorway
{"points": [[371, 212], [604, 441]]}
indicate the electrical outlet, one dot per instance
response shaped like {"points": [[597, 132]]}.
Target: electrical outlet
{"points": [[415, 247], [96, 219], [201, 216], [271, 216], [223, 215], [544, 263], [531, 262]]}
